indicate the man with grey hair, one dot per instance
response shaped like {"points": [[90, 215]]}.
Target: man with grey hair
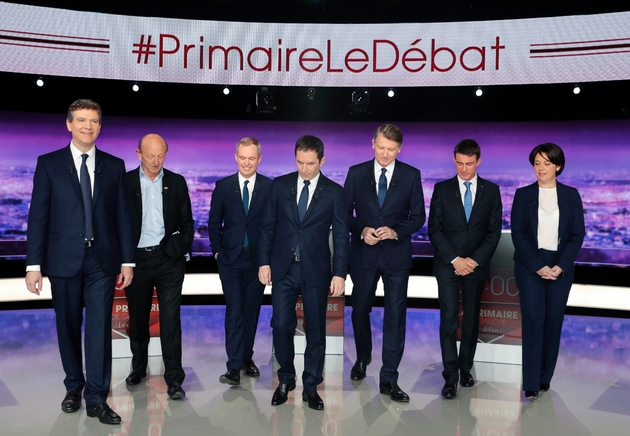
{"points": [[235, 211]]}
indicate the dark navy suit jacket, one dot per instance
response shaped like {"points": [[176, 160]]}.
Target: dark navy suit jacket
{"points": [[178, 220], [228, 223], [56, 224], [452, 236], [281, 231], [525, 227], [403, 211]]}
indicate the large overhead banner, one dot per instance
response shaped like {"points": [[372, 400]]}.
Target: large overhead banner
{"points": [[50, 41]]}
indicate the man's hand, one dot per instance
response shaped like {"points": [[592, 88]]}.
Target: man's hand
{"points": [[556, 271], [124, 278], [34, 282], [337, 286], [264, 275], [385, 233], [369, 236], [545, 273], [463, 267]]}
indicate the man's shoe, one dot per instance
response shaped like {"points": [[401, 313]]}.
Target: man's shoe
{"points": [[544, 387], [281, 395], [250, 369], [394, 392], [449, 390], [134, 378], [175, 392], [532, 395], [359, 369], [466, 379], [313, 399], [103, 412], [232, 377], [71, 402]]}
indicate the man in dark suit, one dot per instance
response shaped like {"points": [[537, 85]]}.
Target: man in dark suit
{"points": [[464, 227], [163, 229], [235, 212], [385, 205], [79, 235], [295, 255]]}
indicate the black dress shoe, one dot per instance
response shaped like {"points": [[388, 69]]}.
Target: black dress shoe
{"points": [[449, 390], [71, 402], [359, 368], [175, 392], [134, 378], [232, 377], [544, 387], [466, 379], [103, 412], [531, 394], [394, 392], [313, 399], [281, 395], [250, 369]]}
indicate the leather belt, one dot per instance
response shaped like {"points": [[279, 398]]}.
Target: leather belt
{"points": [[152, 248]]}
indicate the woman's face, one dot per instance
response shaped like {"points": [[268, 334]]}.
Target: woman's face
{"points": [[545, 170]]}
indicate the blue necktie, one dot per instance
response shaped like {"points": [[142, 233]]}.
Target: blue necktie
{"points": [[246, 207], [86, 194], [382, 187], [467, 201], [303, 202]]}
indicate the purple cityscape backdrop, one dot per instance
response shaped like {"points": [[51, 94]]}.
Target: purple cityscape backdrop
{"points": [[203, 151]]}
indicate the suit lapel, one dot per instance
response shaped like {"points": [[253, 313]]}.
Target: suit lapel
{"points": [[166, 199], [456, 193], [532, 205], [74, 177], [318, 191], [563, 206], [370, 182], [99, 173]]}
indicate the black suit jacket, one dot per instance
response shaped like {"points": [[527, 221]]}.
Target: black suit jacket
{"points": [[56, 224], [403, 211], [227, 222], [281, 231], [571, 229], [178, 221], [452, 236]]}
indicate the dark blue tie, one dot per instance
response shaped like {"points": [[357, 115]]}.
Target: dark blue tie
{"points": [[86, 194], [467, 201], [303, 202], [246, 207], [382, 187]]}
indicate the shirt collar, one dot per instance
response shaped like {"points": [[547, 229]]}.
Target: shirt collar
{"points": [[473, 181], [389, 168], [241, 179], [76, 153], [158, 178], [313, 181]]}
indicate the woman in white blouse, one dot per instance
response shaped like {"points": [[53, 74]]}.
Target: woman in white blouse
{"points": [[547, 231]]}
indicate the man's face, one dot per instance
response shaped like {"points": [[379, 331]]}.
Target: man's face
{"points": [[307, 163], [85, 127], [385, 150], [466, 165], [247, 158], [152, 153]]}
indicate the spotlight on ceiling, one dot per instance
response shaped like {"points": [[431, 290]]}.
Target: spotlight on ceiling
{"points": [[310, 93], [226, 90], [391, 93], [264, 101], [40, 82], [360, 101], [576, 89], [135, 87], [479, 92]]}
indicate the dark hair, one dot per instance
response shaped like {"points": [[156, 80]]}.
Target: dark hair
{"points": [[391, 132], [310, 143], [84, 103], [467, 147], [554, 153]]}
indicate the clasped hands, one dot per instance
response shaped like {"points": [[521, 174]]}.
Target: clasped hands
{"points": [[549, 273], [373, 236], [464, 266]]}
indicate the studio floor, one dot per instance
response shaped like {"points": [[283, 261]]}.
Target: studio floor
{"points": [[590, 393]]}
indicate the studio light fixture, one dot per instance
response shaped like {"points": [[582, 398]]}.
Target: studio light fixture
{"points": [[360, 101], [264, 101], [479, 91], [40, 82], [310, 93], [576, 89], [226, 90], [135, 87], [391, 93]]}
